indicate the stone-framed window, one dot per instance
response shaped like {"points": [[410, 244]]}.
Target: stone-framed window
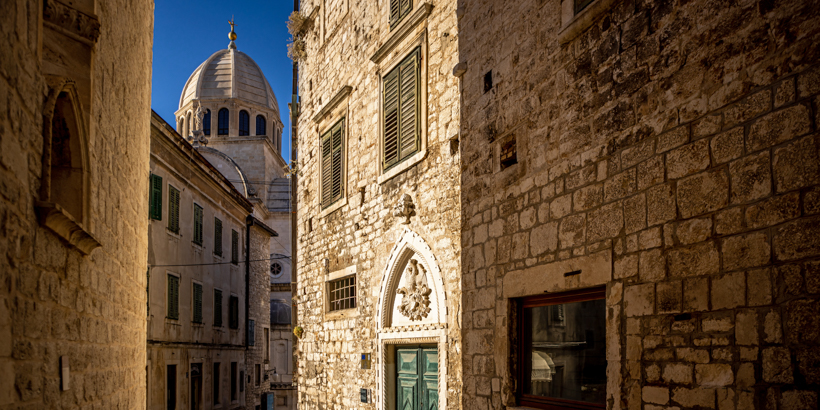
{"points": [[578, 15], [261, 125], [223, 121], [198, 224], [400, 111], [332, 150], [173, 209], [342, 293], [155, 198], [172, 293], [196, 302], [561, 350], [244, 123], [398, 10], [233, 312], [251, 332], [206, 122], [217, 308], [266, 343], [217, 236]]}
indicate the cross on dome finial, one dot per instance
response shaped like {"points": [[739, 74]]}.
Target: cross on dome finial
{"points": [[232, 34]]}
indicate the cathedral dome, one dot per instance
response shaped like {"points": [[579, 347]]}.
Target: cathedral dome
{"points": [[227, 74]]}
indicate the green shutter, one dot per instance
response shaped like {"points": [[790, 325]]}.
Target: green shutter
{"points": [[401, 111], [197, 303], [173, 209], [404, 9], [217, 237], [155, 201], [217, 308], [173, 297], [399, 9], [327, 148], [332, 182], [197, 224], [336, 177], [234, 246]]}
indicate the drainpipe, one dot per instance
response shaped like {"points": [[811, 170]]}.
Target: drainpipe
{"points": [[294, 113], [248, 224]]}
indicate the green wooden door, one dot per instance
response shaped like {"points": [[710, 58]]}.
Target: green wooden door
{"points": [[417, 379]]}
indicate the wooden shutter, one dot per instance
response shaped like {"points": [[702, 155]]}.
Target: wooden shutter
{"points": [[401, 111], [391, 117], [336, 176], [327, 172], [395, 8], [404, 9], [173, 209], [197, 224], [173, 297], [155, 201], [217, 308], [234, 246], [217, 236], [408, 114], [197, 303], [233, 312]]}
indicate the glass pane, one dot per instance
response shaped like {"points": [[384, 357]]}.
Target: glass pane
{"points": [[566, 355]]}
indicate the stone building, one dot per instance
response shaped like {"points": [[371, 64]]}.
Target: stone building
{"points": [[611, 204], [640, 204], [73, 164], [379, 283], [202, 338]]}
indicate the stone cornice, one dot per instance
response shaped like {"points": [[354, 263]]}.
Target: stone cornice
{"points": [[59, 221], [340, 95], [420, 14], [71, 20]]}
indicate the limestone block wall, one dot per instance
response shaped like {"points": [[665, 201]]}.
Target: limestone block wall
{"points": [[671, 149], [259, 312], [360, 234], [55, 302]]}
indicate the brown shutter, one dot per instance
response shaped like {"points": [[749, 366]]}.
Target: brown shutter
{"points": [[408, 114], [406, 6], [391, 117], [327, 172]]}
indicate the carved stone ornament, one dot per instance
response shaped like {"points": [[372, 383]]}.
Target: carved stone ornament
{"points": [[71, 20], [404, 209], [198, 138], [415, 304]]}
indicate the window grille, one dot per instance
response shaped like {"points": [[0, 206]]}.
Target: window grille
{"points": [[217, 308], [223, 121], [197, 303], [332, 147], [155, 200], [197, 224], [217, 236], [173, 209], [401, 111], [244, 123], [173, 297], [342, 293]]}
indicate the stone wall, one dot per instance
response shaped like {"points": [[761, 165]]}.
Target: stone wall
{"points": [[54, 301], [360, 233], [670, 149], [259, 312]]}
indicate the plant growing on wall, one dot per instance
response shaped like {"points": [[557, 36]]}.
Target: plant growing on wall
{"points": [[298, 331], [297, 26]]}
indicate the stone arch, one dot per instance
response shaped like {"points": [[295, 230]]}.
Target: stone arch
{"points": [[410, 246]]}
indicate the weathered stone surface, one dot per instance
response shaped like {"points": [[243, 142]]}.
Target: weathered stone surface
{"points": [[652, 266], [544, 238], [572, 231], [727, 145], [605, 222], [673, 139], [669, 296], [651, 172], [773, 210], [677, 373], [746, 251], [751, 178], [760, 288], [799, 400], [797, 239], [694, 230], [779, 126], [635, 213], [796, 165], [777, 365], [729, 291], [657, 395], [748, 108], [714, 375], [697, 260], [688, 159], [694, 397], [702, 193], [639, 300], [660, 204]]}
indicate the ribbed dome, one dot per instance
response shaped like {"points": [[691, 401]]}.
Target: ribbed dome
{"points": [[229, 74]]}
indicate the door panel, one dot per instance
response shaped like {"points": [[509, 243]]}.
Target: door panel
{"points": [[417, 379]]}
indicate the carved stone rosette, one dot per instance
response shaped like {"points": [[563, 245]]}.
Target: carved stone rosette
{"points": [[404, 209], [415, 304]]}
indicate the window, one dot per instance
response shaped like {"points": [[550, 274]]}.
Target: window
{"points": [[258, 372], [251, 333], [562, 359], [197, 224], [217, 237], [332, 143], [197, 308], [171, 387], [217, 308], [216, 383], [275, 270], [399, 9], [400, 122], [244, 123], [173, 209], [508, 154], [261, 125], [580, 5], [206, 122], [155, 198], [223, 121], [266, 335], [173, 297], [188, 125], [233, 381], [234, 247], [233, 312], [342, 293]]}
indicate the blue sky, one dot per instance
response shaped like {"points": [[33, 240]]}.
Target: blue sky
{"points": [[186, 33]]}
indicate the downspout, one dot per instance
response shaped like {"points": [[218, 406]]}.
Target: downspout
{"points": [[248, 225], [294, 114]]}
